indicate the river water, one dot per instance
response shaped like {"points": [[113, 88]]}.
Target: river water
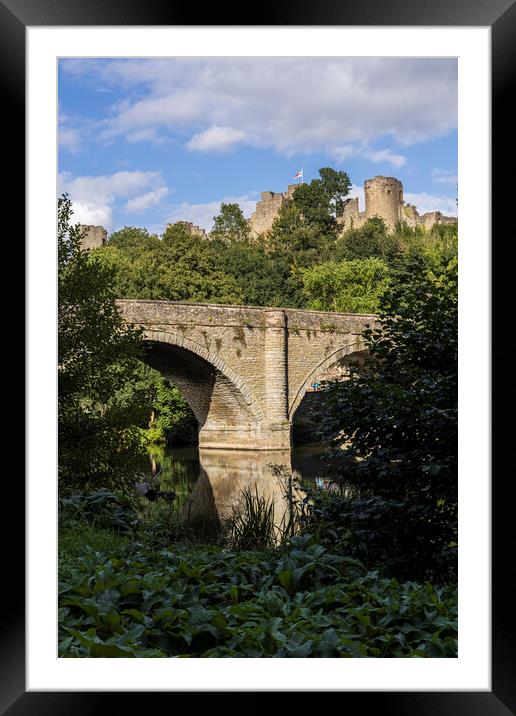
{"points": [[209, 484]]}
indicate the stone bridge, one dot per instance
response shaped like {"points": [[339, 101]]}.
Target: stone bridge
{"points": [[244, 370]]}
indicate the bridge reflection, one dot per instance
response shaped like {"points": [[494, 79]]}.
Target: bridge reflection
{"points": [[224, 475], [217, 478]]}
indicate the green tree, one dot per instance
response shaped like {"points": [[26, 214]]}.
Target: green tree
{"points": [[97, 357], [347, 286], [322, 200], [230, 225], [263, 279], [293, 237], [180, 267], [179, 232], [165, 416], [370, 240], [398, 414], [132, 237], [293, 245]]}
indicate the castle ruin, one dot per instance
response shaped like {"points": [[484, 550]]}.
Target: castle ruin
{"points": [[383, 198], [93, 236], [267, 209]]}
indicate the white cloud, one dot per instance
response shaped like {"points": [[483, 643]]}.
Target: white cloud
{"points": [[444, 176], [70, 131], [432, 202], [202, 214], [378, 156], [95, 197], [386, 156], [215, 139], [342, 154], [91, 213], [145, 201], [289, 104]]}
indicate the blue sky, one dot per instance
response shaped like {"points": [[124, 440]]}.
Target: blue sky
{"points": [[143, 142]]}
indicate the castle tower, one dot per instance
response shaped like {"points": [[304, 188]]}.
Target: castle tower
{"points": [[93, 236], [384, 198]]}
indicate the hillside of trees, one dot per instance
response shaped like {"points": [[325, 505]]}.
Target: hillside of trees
{"points": [[303, 262]]}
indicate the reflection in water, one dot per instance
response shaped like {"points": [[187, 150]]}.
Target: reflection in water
{"points": [[209, 483]]}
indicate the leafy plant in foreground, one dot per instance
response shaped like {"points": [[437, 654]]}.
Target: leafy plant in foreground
{"points": [[102, 509], [198, 603]]}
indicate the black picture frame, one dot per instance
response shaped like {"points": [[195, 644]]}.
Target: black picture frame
{"points": [[500, 16]]}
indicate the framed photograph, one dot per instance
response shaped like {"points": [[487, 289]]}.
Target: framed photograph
{"points": [[57, 53]]}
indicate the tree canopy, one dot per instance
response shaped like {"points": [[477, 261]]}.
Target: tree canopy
{"points": [[346, 286], [97, 356], [179, 267], [230, 224]]}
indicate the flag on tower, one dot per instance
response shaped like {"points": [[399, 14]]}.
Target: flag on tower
{"points": [[299, 175]]}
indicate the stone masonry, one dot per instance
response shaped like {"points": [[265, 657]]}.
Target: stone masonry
{"points": [[267, 209], [93, 236], [244, 370], [384, 198]]}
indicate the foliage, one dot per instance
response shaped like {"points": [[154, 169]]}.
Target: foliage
{"points": [[230, 224], [131, 237], [307, 602], [166, 416], [102, 509], [370, 240], [424, 250], [294, 245], [302, 243], [179, 267], [263, 278], [348, 286], [398, 413], [322, 200], [76, 536], [172, 417], [97, 357]]}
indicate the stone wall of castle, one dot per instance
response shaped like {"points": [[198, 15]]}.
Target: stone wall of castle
{"points": [[93, 236], [267, 209], [384, 198]]}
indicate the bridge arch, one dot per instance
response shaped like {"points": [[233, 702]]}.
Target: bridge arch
{"points": [[218, 397], [356, 346]]}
